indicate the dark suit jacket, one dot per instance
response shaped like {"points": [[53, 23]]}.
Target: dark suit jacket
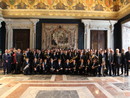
{"points": [[127, 56], [117, 58], [19, 57], [123, 59], [5, 57]]}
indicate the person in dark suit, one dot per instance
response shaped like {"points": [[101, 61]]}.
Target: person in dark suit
{"points": [[111, 59], [26, 68], [13, 61], [123, 61], [65, 56], [10, 61], [42, 68], [117, 61], [47, 55], [59, 67], [39, 67], [38, 54], [67, 67], [107, 60], [81, 56], [54, 57], [47, 67], [81, 67], [60, 55], [35, 65], [88, 67], [70, 56], [30, 55], [101, 60], [19, 57], [5, 61], [74, 67], [75, 55], [127, 56], [94, 66], [52, 66]]}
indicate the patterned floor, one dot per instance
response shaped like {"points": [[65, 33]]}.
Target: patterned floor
{"points": [[63, 86]]}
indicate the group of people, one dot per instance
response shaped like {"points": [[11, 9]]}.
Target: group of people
{"points": [[58, 61]]}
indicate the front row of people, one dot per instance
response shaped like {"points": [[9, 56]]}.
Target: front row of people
{"points": [[69, 67]]}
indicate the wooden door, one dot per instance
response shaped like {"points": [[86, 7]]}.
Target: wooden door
{"points": [[98, 39], [21, 38]]}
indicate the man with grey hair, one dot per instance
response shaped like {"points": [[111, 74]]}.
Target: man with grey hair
{"points": [[127, 56], [117, 61], [5, 57]]}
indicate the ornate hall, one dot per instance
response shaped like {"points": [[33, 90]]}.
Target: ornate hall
{"points": [[81, 29]]}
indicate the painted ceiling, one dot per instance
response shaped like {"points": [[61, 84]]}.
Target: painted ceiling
{"points": [[97, 9]]}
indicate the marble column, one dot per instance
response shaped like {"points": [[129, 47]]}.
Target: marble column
{"points": [[1, 20], [34, 22], [86, 34], [111, 32], [8, 42]]}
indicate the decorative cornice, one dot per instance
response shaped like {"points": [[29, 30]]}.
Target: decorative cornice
{"points": [[35, 13], [123, 12]]}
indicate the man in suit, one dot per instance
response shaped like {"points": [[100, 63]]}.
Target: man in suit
{"points": [[26, 65], [74, 67], [94, 66], [59, 67], [107, 60], [54, 56], [123, 61], [65, 56], [88, 67], [47, 55], [35, 65], [30, 55], [117, 61], [19, 57], [127, 56], [101, 60], [81, 56], [52, 66], [10, 61], [5, 61], [67, 67], [81, 67], [47, 68]]}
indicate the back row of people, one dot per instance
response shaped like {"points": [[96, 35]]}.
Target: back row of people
{"points": [[91, 62]]}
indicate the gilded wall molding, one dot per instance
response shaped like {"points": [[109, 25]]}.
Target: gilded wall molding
{"points": [[29, 13]]}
